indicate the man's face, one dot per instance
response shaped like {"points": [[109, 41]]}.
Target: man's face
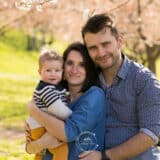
{"points": [[104, 49]]}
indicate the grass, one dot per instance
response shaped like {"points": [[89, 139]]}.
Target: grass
{"points": [[15, 94], [13, 150], [17, 78]]}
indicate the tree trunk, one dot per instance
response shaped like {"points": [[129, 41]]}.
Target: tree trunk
{"points": [[150, 51], [151, 64], [31, 43]]}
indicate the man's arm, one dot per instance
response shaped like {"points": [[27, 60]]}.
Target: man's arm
{"points": [[131, 148]]}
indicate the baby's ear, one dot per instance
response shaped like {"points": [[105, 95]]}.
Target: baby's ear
{"points": [[39, 71]]}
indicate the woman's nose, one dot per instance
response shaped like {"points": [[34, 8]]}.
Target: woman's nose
{"points": [[74, 69]]}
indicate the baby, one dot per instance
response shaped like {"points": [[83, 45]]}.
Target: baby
{"points": [[49, 96]]}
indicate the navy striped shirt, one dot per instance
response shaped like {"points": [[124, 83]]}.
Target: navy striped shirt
{"points": [[46, 94]]}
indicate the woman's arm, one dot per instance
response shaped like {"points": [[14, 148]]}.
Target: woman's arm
{"points": [[37, 146], [85, 116], [54, 126]]}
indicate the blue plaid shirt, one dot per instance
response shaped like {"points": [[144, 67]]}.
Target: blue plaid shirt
{"points": [[134, 106]]}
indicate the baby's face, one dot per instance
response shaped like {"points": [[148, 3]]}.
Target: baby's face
{"points": [[51, 71]]}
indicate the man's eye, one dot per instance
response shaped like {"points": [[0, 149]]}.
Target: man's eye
{"points": [[106, 44], [92, 48]]}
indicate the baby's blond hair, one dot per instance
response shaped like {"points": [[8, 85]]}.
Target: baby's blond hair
{"points": [[49, 55]]}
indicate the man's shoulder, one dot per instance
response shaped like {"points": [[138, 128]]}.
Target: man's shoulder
{"points": [[139, 71], [141, 76]]}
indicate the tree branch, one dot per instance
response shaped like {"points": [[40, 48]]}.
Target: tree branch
{"points": [[119, 6]]}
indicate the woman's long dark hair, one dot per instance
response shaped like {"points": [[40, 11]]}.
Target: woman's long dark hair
{"points": [[92, 77]]}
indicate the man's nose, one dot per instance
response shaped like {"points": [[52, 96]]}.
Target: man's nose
{"points": [[101, 51]]}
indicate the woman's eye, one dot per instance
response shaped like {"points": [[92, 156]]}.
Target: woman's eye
{"points": [[69, 63]]}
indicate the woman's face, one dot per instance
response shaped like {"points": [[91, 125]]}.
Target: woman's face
{"points": [[74, 69]]}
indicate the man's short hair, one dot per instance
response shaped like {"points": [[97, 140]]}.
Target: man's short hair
{"points": [[97, 23]]}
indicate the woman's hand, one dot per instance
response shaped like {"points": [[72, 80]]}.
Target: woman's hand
{"points": [[33, 147], [49, 141]]}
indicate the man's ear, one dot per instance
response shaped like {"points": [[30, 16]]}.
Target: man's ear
{"points": [[120, 41]]}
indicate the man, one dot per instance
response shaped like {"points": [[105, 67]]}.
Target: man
{"points": [[133, 93]]}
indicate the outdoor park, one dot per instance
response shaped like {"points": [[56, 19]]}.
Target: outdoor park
{"points": [[27, 26]]}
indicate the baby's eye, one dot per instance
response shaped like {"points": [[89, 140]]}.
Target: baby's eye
{"points": [[57, 70]]}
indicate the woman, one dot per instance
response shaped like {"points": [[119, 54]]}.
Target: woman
{"points": [[87, 102]]}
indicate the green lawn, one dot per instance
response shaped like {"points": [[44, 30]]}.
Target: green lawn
{"points": [[18, 76]]}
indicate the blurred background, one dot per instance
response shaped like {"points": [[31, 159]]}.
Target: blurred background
{"points": [[28, 25]]}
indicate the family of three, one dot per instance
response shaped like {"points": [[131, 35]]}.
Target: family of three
{"points": [[109, 95]]}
